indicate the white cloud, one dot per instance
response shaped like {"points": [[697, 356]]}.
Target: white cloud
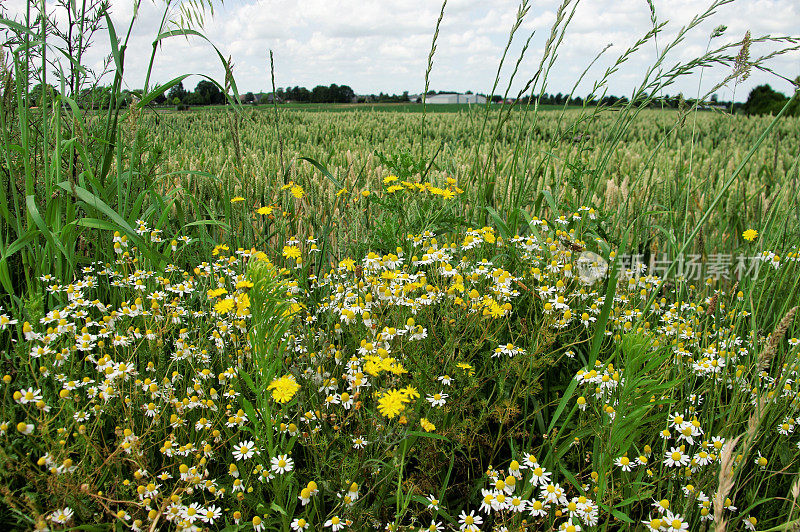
{"points": [[382, 45]]}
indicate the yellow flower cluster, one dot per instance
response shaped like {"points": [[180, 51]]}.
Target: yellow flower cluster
{"points": [[429, 306], [374, 365], [295, 189], [429, 188]]}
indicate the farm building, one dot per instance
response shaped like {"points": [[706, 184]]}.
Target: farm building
{"points": [[456, 98]]}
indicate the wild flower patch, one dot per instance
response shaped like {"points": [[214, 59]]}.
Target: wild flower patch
{"points": [[407, 390]]}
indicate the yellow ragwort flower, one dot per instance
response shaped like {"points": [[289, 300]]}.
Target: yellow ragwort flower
{"points": [[392, 403], [283, 389], [427, 425], [216, 292], [291, 252], [224, 306]]}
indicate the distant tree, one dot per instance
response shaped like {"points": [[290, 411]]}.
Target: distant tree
{"points": [[345, 94], [249, 98], [320, 94], [177, 91], [764, 100], [97, 97], [298, 94], [37, 97], [340, 94], [393, 98], [667, 101], [195, 98], [207, 93], [794, 106]]}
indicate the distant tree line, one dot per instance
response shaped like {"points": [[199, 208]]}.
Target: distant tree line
{"points": [[205, 93], [761, 100], [764, 100], [385, 98], [320, 94], [99, 97]]}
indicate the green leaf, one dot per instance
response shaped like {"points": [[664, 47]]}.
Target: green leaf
{"points": [[249, 410], [250, 385], [19, 243], [569, 476], [274, 506], [324, 171], [616, 513], [551, 202], [563, 404], [215, 223], [33, 210], [161, 89], [114, 42], [17, 27], [608, 304], [91, 200], [501, 225], [186, 32], [5, 278], [96, 223]]}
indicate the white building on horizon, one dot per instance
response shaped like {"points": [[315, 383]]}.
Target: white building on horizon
{"points": [[454, 97]]}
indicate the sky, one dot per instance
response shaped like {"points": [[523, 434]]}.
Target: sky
{"points": [[383, 45]]}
